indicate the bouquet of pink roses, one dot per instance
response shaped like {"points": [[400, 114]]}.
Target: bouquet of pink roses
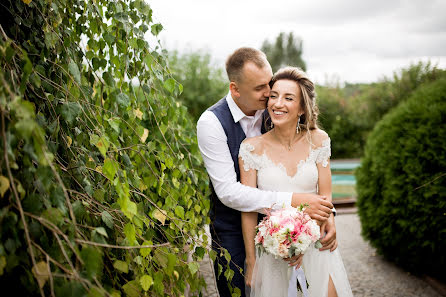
{"points": [[287, 232]]}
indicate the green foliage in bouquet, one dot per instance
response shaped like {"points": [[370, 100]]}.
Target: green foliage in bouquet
{"points": [[401, 183], [101, 186]]}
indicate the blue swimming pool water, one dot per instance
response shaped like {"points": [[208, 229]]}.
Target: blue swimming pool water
{"points": [[343, 179]]}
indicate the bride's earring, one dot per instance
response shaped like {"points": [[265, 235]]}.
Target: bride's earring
{"points": [[298, 128], [272, 125]]}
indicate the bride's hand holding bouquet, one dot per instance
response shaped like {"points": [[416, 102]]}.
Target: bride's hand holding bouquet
{"points": [[286, 233]]}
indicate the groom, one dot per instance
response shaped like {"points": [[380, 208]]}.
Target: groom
{"points": [[220, 131]]}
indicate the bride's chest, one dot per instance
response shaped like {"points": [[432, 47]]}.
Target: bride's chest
{"points": [[272, 176]]}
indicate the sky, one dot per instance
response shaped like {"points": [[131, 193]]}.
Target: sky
{"points": [[343, 40]]}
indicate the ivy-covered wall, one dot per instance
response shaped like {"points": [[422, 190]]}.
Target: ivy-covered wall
{"points": [[102, 189]]}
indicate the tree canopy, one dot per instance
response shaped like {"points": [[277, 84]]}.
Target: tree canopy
{"points": [[286, 50]]}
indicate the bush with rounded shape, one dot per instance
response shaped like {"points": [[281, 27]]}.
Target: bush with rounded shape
{"points": [[401, 183]]}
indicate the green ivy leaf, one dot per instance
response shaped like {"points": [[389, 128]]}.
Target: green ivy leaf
{"points": [[132, 289], [99, 195], [40, 272], [107, 219], [171, 261], [110, 168], [35, 80], [95, 292], [74, 71], [156, 29], [4, 185], [9, 53], [146, 89], [193, 267], [121, 266], [141, 43], [158, 283], [199, 251], [229, 274], [146, 251], [212, 255], [114, 123], [101, 231], [108, 38], [108, 78], [123, 100], [101, 143], [96, 63], [130, 233], [54, 215], [70, 110], [146, 282], [179, 211], [227, 256], [51, 39], [169, 85], [92, 258], [121, 17]]}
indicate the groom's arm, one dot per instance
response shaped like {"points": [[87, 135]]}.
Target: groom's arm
{"points": [[212, 142]]}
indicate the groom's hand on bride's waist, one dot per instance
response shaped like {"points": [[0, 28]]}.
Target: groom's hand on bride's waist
{"points": [[318, 207]]}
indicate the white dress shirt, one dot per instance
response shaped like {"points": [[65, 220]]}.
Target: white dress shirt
{"points": [[212, 142]]}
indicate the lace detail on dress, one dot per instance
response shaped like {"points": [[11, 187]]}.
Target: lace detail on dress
{"points": [[250, 160], [323, 152]]}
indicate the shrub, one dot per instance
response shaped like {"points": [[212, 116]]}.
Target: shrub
{"points": [[401, 182]]}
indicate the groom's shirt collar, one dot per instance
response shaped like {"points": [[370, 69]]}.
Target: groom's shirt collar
{"points": [[237, 113], [251, 125]]}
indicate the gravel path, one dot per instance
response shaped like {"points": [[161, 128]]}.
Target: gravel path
{"points": [[369, 274]]}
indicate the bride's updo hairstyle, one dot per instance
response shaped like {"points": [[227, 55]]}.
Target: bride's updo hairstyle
{"points": [[308, 120]]}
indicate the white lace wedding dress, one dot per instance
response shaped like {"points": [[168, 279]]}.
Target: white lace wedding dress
{"points": [[272, 276]]}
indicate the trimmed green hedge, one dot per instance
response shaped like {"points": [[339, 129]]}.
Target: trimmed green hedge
{"points": [[401, 183]]}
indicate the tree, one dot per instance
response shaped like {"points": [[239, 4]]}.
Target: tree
{"points": [[203, 82], [349, 113], [286, 51], [101, 183]]}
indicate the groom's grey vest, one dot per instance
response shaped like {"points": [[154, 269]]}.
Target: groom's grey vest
{"points": [[225, 218]]}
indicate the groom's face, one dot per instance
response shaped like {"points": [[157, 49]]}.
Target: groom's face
{"points": [[253, 87]]}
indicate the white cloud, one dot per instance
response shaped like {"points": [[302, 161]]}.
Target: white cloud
{"points": [[359, 41]]}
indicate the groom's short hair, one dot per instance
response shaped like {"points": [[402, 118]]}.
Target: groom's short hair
{"points": [[238, 59]]}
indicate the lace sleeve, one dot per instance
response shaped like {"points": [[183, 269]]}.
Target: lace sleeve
{"points": [[250, 160], [324, 153]]}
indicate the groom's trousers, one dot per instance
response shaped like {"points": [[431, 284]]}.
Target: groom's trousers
{"points": [[233, 242]]}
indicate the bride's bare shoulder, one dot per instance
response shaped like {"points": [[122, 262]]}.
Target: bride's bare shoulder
{"points": [[255, 144], [318, 136]]}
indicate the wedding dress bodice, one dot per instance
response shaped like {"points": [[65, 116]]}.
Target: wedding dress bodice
{"points": [[274, 177], [271, 275]]}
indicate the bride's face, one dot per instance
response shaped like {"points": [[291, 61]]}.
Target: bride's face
{"points": [[284, 104]]}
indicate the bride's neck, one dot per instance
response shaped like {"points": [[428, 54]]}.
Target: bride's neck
{"points": [[285, 135]]}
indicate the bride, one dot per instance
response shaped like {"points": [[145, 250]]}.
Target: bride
{"points": [[293, 156]]}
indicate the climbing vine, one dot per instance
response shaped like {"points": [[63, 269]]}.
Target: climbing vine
{"points": [[102, 189]]}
